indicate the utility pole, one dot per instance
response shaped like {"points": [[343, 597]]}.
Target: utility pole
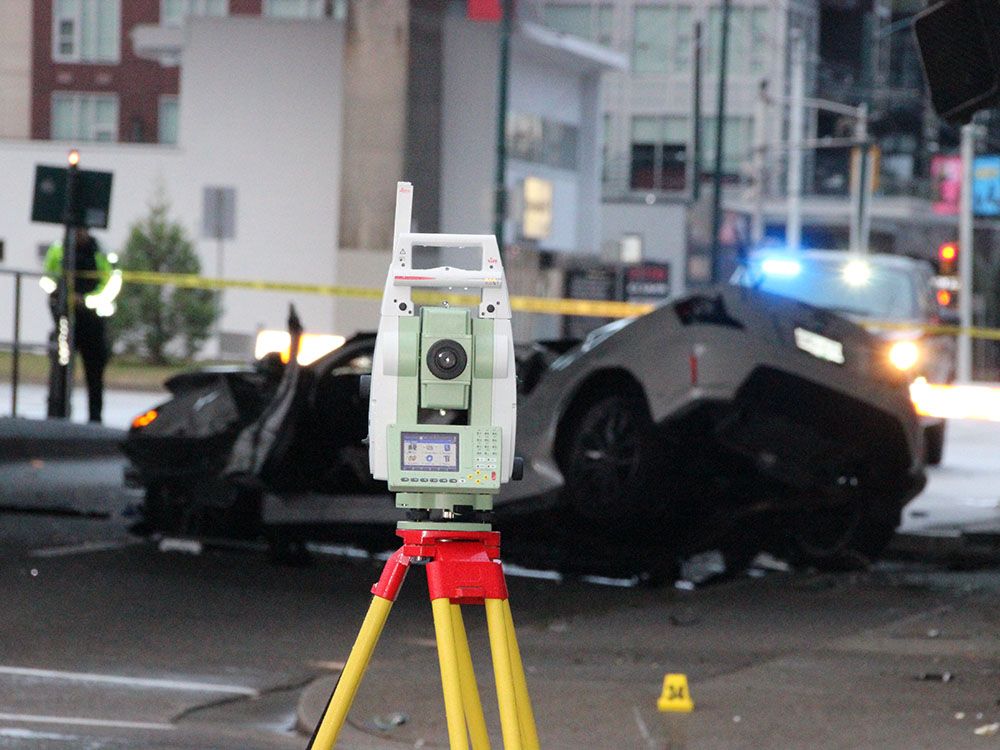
{"points": [[500, 184], [965, 254], [793, 226], [696, 118], [759, 147], [720, 119]]}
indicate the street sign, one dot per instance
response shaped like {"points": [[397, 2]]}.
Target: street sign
{"points": [[93, 191], [218, 213], [647, 282], [986, 186], [946, 184]]}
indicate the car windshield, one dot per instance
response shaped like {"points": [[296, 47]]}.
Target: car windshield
{"points": [[850, 286]]}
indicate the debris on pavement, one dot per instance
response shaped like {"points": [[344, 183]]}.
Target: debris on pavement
{"points": [[187, 546], [988, 730], [387, 723], [936, 676]]}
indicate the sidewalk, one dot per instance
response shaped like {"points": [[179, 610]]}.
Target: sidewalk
{"points": [[120, 407]]}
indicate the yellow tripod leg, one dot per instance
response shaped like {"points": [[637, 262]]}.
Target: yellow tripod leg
{"points": [[325, 736], [470, 690], [506, 693], [526, 717], [450, 681]]}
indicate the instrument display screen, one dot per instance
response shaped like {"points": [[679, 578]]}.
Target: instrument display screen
{"points": [[429, 451]]}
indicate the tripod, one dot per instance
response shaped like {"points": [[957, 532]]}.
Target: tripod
{"points": [[463, 567]]}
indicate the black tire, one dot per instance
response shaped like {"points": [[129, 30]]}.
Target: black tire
{"points": [[286, 547], [210, 508], [843, 537], [934, 444], [605, 458]]}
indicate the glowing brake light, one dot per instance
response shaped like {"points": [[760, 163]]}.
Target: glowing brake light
{"points": [[145, 419]]}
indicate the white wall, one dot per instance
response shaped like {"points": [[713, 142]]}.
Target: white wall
{"points": [[561, 92], [260, 111], [15, 68], [663, 228]]}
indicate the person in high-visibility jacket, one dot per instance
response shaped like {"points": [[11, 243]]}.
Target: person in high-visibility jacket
{"points": [[94, 293]]}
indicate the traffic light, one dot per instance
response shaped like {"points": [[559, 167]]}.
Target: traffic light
{"points": [[947, 258]]}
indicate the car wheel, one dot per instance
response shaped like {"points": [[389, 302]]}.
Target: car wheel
{"points": [[934, 444], [207, 509], [605, 460], [287, 548], [845, 537], [167, 509]]}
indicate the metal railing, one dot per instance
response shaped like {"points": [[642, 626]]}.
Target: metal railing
{"points": [[15, 348]]}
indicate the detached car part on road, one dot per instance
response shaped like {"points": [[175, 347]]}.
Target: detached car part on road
{"points": [[730, 419]]}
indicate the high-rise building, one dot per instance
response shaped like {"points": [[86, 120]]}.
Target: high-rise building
{"points": [[649, 125]]}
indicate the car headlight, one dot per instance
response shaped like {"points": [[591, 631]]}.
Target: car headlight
{"points": [[904, 355]]}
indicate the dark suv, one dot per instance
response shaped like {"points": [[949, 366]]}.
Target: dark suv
{"points": [[892, 295]]}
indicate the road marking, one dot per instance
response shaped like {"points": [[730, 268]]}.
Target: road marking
{"points": [[84, 548], [30, 734], [137, 682], [84, 722]]}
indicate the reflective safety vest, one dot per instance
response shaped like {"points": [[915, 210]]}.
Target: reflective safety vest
{"points": [[101, 299]]}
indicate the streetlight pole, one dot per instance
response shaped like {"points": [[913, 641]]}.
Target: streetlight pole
{"points": [[720, 118], [696, 117], [860, 182], [965, 254], [500, 183], [793, 226], [759, 148]]}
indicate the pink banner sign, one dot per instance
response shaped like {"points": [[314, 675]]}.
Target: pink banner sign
{"points": [[946, 183]]}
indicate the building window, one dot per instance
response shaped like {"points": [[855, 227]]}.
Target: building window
{"points": [[760, 40], [86, 31], [591, 21], [661, 39], [737, 146], [84, 117], [540, 141], [167, 120], [749, 42], [294, 8], [659, 153], [173, 12]]}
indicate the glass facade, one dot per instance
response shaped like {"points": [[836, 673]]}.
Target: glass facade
{"points": [[587, 21], [167, 119], [294, 8], [534, 139], [173, 12]]}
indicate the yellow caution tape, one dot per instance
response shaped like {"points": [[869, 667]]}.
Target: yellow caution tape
{"points": [[540, 305], [993, 334], [543, 305]]}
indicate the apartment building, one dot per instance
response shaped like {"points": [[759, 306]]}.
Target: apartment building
{"points": [[89, 84]]}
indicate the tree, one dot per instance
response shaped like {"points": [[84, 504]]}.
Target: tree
{"points": [[156, 320]]}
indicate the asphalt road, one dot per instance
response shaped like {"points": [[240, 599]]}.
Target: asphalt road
{"points": [[106, 642]]}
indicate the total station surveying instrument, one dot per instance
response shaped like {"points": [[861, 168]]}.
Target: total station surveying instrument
{"points": [[431, 362]]}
